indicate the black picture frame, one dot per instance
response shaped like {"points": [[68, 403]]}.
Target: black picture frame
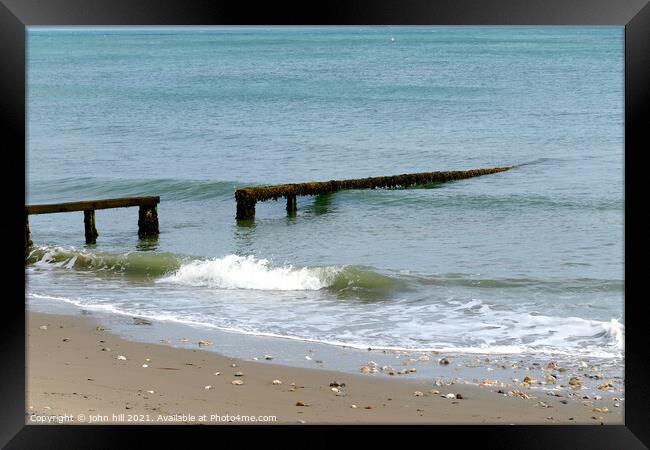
{"points": [[16, 15]]}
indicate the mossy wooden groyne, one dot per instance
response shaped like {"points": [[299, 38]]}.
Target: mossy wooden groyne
{"points": [[147, 217], [249, 196]]}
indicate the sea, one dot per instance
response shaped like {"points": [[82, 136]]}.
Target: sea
{"points": [[526, 262]]}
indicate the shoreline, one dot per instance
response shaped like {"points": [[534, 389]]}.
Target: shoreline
{"points": [[73, 369]]}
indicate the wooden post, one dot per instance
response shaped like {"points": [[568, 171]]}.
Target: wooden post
{"points": [[292, 206], [148, 221], [245, 209], [89, 226], [28, 241]]}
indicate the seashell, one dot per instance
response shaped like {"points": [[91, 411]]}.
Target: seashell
{"points": [[208, 387], [122, 358], [205, 343], [237, 382], [418, 394], [277, 382]]}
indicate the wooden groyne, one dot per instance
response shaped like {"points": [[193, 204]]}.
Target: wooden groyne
{"points": [[249, 196], [147, 216]]}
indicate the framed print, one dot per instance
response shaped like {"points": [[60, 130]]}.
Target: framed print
{"points": [[361, 214]]}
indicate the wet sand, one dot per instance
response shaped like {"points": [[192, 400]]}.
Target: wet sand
{"points": [[76, 374]]}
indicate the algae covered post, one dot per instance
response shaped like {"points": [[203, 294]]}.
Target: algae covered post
{"points": [[148, 221], [89, 226]]}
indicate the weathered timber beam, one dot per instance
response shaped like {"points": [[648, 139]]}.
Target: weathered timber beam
{"points": [[247, 197], [91, 205]]}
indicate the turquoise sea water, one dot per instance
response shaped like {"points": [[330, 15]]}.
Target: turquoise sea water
{"points": [[525, 261]]}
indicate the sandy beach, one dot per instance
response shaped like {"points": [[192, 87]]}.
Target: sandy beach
{"points": [[78, 372]]}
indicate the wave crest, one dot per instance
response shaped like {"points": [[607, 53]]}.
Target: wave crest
{"points": [[247, 272]]}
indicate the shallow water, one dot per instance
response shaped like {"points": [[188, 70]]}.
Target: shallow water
{"points": [[526, 261]]}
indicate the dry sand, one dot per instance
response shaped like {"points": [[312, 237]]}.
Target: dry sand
{"points": [[73, 377]]}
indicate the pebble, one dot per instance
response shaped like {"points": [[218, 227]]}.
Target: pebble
{"points": [[99, 328], [268, 357], [205, 343], [517, 393], [300, 403], [529, 380], [450, 395], [550, 379], [444, 361], [607, 385], [368, 407], [575, 381], [337, 384], [106, 349], [277, 382], [308, 358], [434, 391], [412, 370], [237, 382], [353, 406], [145, 365], [233, 365], [208, 387], [334, 389], [217, 373], [184, 339], [43, 327], [601, 410], [239, 374]]}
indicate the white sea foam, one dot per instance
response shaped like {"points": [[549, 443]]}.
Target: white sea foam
{"points": [[247, 272]]}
